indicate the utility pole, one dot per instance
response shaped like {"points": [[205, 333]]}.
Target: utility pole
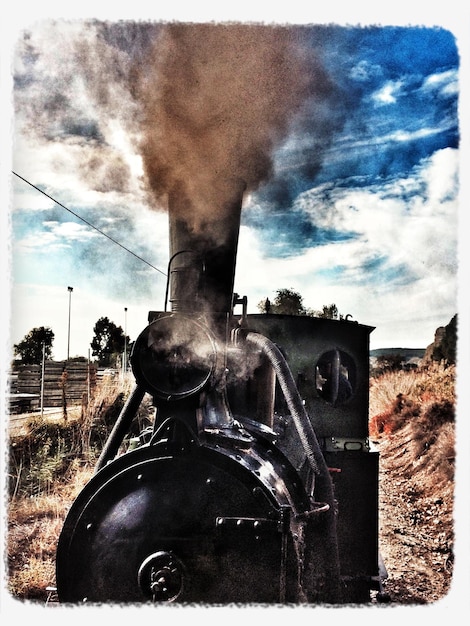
{"points": [[88, 380], [43, 367]]}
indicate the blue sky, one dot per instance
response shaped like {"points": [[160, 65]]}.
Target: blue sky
{"points": [[358, 205]]}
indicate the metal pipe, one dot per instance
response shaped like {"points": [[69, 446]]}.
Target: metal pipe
{"points": [[43, 367], [121, 427], [293, 399], [208, 228], [70, 289]]}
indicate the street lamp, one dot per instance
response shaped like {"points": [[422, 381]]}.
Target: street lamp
{"points": [[70, 289], [125, 339]]}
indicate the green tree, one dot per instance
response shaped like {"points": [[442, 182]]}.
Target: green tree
{"points": [[329, 312], [30, 348], [108, 342], [286, 301], [390, 362], [290, 302]]}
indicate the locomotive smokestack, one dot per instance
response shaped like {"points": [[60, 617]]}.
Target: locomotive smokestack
{"points": [[203, 251]]}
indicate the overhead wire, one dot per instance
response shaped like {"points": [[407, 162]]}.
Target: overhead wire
{"points": [[89, 224]]}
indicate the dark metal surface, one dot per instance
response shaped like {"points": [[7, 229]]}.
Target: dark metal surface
{"points": [[356, 488], [307, 343], [172, 525], [174, 357], [231, 498], [205, 282]]}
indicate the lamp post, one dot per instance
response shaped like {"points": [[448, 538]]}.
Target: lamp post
{"points": [[43, 367], [70, 289], [125, 339]]}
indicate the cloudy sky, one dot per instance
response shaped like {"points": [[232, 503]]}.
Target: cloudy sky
{"points": [[349, 137]]}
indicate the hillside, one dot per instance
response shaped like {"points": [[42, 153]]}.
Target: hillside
{"points": [[406, 353], [412, 425]]}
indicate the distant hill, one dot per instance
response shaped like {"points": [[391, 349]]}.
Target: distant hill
{"points": [[406, 353], [442, 348]]}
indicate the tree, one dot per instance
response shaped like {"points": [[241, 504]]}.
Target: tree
{"points": [[290, 302], [30, 348], [287, 302], [390, 362], [108, 342], [329, 312]]}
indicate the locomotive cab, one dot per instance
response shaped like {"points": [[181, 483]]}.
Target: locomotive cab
{"points": [[329, 360]]}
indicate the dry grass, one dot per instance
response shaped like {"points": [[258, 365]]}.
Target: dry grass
{"points": [[34, 525], [414, 428], [434, 383], [421, 406], [45, 478]]}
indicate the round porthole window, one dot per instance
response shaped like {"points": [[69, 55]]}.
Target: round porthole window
{"points": [[335, 377]]}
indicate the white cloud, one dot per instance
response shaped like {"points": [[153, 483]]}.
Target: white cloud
{"points": [[441, 176], [365, 70], [446, 83], [70, 231], [388, 93], [399, 223], [411, 223]]}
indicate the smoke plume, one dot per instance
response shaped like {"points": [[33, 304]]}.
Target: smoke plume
{"points": [[216, 101], [200, 104]]}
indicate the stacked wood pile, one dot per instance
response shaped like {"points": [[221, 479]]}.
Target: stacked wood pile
{"points": [[63, 382]]}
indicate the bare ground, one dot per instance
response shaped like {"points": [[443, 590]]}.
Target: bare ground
{"points": [[416, 525]]}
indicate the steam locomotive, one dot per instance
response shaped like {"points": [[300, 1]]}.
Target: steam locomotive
{"points": [[255, 483]]}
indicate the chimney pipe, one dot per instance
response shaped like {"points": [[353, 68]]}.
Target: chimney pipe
{"points": [[203, 248]]}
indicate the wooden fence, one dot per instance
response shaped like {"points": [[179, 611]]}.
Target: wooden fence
{"points": [[63, 382]]}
